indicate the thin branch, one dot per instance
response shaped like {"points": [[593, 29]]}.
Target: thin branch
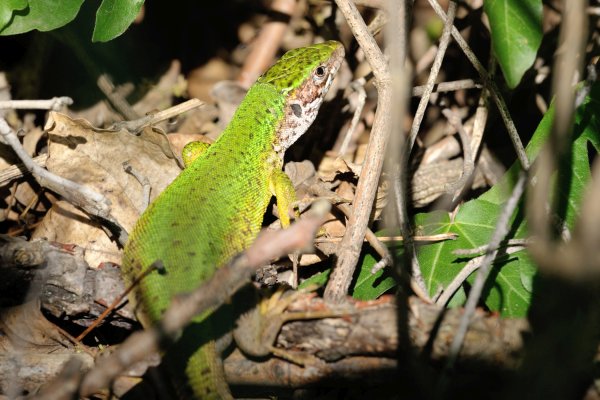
{"points": [[468, 162], [567, 67], [400, 179], [502, 227], [451, 86], [490, 84], [349, 249], [359, 88], [433, 74], [470, 267], [486, 247], [319, 190], [143, 180], [116, 98], [55, 104], [265, 46], [137, 125], [82, 196], [19, 170]]}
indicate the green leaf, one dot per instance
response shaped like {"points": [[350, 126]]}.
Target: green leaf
{"points": [[370, 286], [505, 290], [367, 286], [114, 17], [6, 10], [575, 173], [510, 283], [516, 28], [318, 279], [474, 223], [43, 15]]}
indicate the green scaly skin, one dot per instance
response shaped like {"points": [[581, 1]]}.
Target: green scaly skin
{"points": [[215, 207]]}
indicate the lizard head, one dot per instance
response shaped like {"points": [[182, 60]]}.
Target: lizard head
{"points": [[303, 76]]}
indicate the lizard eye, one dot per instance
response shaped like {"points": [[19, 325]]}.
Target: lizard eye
{"points": [[320, 71]]}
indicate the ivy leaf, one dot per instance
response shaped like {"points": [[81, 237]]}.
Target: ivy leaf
{"points": [[509, 286], [367, 286], [370, 286], [43, 15], [516, 28], [6, 10], [474, 223], [114, 17]]}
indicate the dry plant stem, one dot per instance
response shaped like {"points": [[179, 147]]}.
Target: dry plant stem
{"points": [[55, 104], [266, 44], [400, 184], [154, 267], [137, 125], [588, 232], [502, 227], [433, 74], [568, 63], [63, 385], [370, 3], [18, 170], [214, 292], [417, 238], [481, 116], [358, 87], [143, 180], [319, 190], [468, 164], [116, 98], [485, 247], [446, 87], [349, 249], [90, 201], [490, 84], [396, 46], [377, 22], [472, 266]]}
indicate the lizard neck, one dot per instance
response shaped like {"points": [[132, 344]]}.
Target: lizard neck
{"points": [[257, 121]]}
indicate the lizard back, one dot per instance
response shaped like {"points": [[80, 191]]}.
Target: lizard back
{"points": [[212, 210]]}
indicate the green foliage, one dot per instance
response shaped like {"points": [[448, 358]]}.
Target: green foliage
{"points": [[367, 286], [114, 17], [510, 285], [20, 16], [370, 286], [7, 7], [43, 15], [516, 28], [474, 223]]}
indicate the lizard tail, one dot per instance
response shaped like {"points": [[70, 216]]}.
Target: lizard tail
{"points": [[194, 363], [206, 375]]}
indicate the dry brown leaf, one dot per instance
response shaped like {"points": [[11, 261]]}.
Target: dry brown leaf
{"points": [[331, 167], [94, 157], [32, 350]]}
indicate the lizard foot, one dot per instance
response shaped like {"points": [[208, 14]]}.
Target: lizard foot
{"points": [[257, 329]]}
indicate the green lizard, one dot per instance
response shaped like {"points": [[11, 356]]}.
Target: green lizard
{"points": [[215, 207]]}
